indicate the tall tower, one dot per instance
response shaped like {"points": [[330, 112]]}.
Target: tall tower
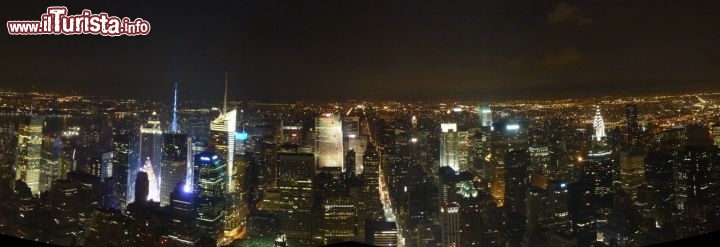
{"points": [[176, 154], [222, 142], [222, 139], [449, 146], [151, 154], [29, 149], [598, 125]]}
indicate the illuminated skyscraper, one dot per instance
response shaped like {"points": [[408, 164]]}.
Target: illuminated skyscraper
{"points": [[598, 125], [210, 177], [449, 146], [329, 143], [176, 158], [222, 139], [353, 139], [485, 115], [29, 148], [151, 154], [222, 142]]}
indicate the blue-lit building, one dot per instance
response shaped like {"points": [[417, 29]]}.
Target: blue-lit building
{"points": [[183, 229], [210, 176]]}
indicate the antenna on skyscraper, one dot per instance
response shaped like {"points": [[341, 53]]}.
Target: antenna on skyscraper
{"points": [[173, 125], [225, 98]]}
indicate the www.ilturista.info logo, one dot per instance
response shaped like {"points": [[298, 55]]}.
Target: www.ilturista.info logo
{"points": [[56, 21]]}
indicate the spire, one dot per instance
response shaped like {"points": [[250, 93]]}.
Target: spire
{"points": [[225, 98], [598, 125], [173, 125]]}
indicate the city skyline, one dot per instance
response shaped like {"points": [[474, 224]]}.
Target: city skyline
{"points": [[405, 123]]}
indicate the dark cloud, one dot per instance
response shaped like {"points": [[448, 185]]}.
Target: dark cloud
{"points": [[325, 49], [562, 58], [565, 13]]}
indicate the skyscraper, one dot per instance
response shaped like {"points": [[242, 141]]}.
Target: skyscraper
{"points": [[633, 126], [210, 177], [371, 175], [222, 142], [222, 139], [329, 143], [51, 167], [151, 154], [339, 213], [485, 115], [632, 171], [507, 135], [121, 149], [450, 224], [296, 195], [449, 146], [142, 183], [174, 164], [29, 148], [183, 230]]}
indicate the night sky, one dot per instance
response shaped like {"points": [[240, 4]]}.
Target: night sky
{"points": [[319, 50]]}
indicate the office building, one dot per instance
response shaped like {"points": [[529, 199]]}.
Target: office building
{"points": [[29, 149], [151, 154], [209, 182], [329, 143]]}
